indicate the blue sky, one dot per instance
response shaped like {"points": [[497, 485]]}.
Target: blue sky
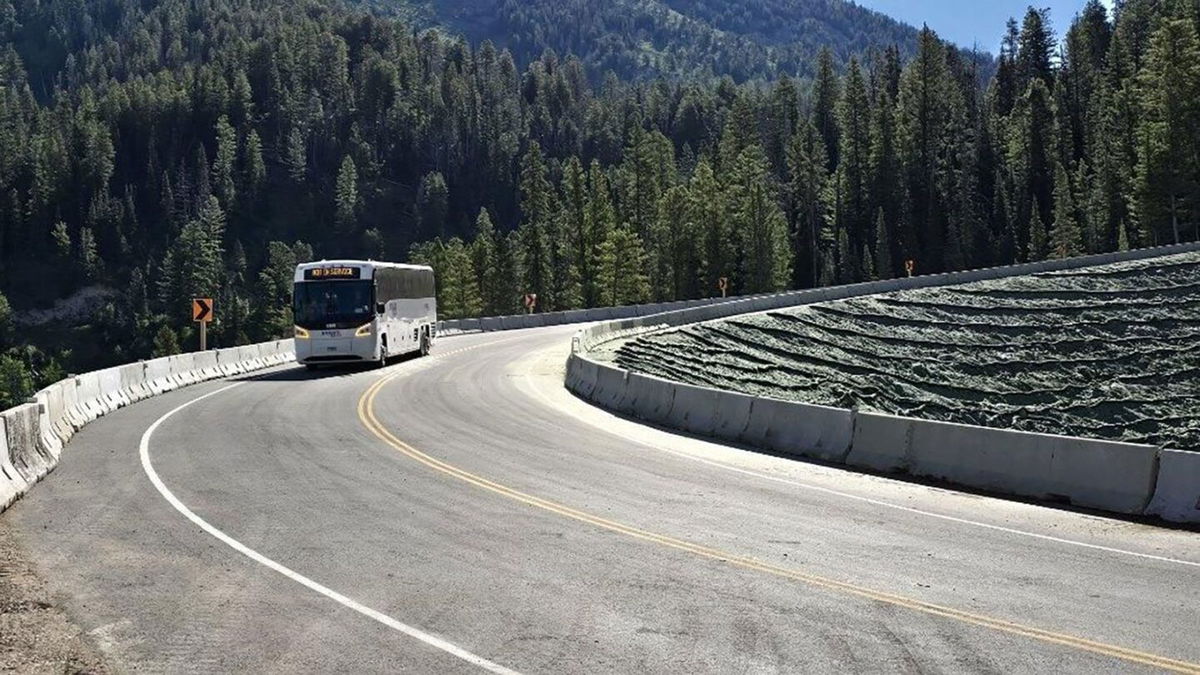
{"points": [[967, 22]]}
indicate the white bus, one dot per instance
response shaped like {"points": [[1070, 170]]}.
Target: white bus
{"points": [[354, 311]]}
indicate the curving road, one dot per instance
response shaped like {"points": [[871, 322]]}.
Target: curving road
{"points": [[464, 512]]}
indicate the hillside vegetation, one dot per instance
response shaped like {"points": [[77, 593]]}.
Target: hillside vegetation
{"points": [[201, 147], [642, 39]]}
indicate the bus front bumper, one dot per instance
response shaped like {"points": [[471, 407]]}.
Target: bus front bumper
{"points": [[315, 350]]}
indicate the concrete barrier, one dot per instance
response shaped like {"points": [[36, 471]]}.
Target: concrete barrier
{"points": [[880, 442], [12, 484], [133, 381], [1107, 475], [60, 421], [204, 365], [111, 392], [1177, 490], [1117, 477], [648, 398], [800, 429], [609, 391], [23, 438], [49, 404], [158, 375], [694, 409], [581, 376]]}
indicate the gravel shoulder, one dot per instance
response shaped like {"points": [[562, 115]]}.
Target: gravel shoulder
{"points": [[36, 634]]}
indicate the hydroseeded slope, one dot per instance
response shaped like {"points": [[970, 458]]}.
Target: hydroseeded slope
{"points": [[1107, 352]]}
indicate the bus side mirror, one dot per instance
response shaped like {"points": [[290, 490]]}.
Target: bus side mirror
{"points": [[380, 308]]}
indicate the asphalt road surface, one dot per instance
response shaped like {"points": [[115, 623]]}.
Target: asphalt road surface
{"points": [[464, 512]]}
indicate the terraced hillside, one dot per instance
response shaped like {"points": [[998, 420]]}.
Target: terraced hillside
{"points": [[1108, 352]]}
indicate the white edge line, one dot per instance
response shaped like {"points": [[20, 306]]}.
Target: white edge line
{"points": [[837, 493], [431, 640]]}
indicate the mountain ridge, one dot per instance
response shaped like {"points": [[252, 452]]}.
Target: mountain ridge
{"points": [[644, 39]]}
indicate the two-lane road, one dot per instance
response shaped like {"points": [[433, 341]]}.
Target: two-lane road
{"points": [[464, 511]]}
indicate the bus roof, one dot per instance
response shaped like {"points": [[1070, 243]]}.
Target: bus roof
{"points": [[368, 267]]}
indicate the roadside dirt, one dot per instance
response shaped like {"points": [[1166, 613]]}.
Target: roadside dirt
{"points": [[36, 635]]}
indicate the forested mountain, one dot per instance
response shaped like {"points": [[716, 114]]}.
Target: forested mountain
{"points": [[162, 150], [641, 39]]}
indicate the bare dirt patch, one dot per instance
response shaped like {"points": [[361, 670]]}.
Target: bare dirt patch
{"points": [[36, 635]]}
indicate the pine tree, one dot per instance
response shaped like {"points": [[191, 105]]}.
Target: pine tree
{"points": [[1122, 237], [460, 287], [193, 267], [783, 118], [1037, 46], [510, 273], [254, 168], [739, 133], [826, 95], [1066, 236], [89, 259], [1030, 156], [853, 113], [296, 156], [373, 244], [883, 249], [433, 199], [811, 196], [600, 220], [647, 170], [708, 213], [346, 196], [868, 265], [275, 288], [576, 260], [1167, 180], [166, 342], [884, 162], [1038, 244], [484, 256], [922, 119], [537, 204], [674, 254], [224, 168], [622, 269], [759, 227]]}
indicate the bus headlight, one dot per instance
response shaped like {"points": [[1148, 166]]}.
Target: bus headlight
{"points": [[363, 331], [301, 334]]}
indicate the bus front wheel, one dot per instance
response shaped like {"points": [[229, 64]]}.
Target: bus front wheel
{"points": [[383, 354]]}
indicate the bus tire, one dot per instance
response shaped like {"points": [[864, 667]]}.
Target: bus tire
{"points": [[383, 353]]}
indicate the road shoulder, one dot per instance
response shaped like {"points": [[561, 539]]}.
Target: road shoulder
{"points": [[36, 633]]}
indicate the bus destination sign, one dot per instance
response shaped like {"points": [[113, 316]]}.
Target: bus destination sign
{"points": [[321, 273]]}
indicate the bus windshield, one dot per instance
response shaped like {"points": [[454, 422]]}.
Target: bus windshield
{"points": [[318, 304]]}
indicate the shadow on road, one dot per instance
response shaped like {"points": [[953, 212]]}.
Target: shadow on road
{"points": [[298, 373]]}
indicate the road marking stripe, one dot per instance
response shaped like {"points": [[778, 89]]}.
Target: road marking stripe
{"points": [[838, 493], [431, 640], [366, 413]]}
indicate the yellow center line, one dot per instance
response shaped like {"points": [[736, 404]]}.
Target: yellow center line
{"points": [[366, 413]]}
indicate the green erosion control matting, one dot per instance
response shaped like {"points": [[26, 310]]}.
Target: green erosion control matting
{"points": [[1105, 352]]}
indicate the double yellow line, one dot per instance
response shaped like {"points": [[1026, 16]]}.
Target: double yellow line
{"points": [[366, 413]]}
